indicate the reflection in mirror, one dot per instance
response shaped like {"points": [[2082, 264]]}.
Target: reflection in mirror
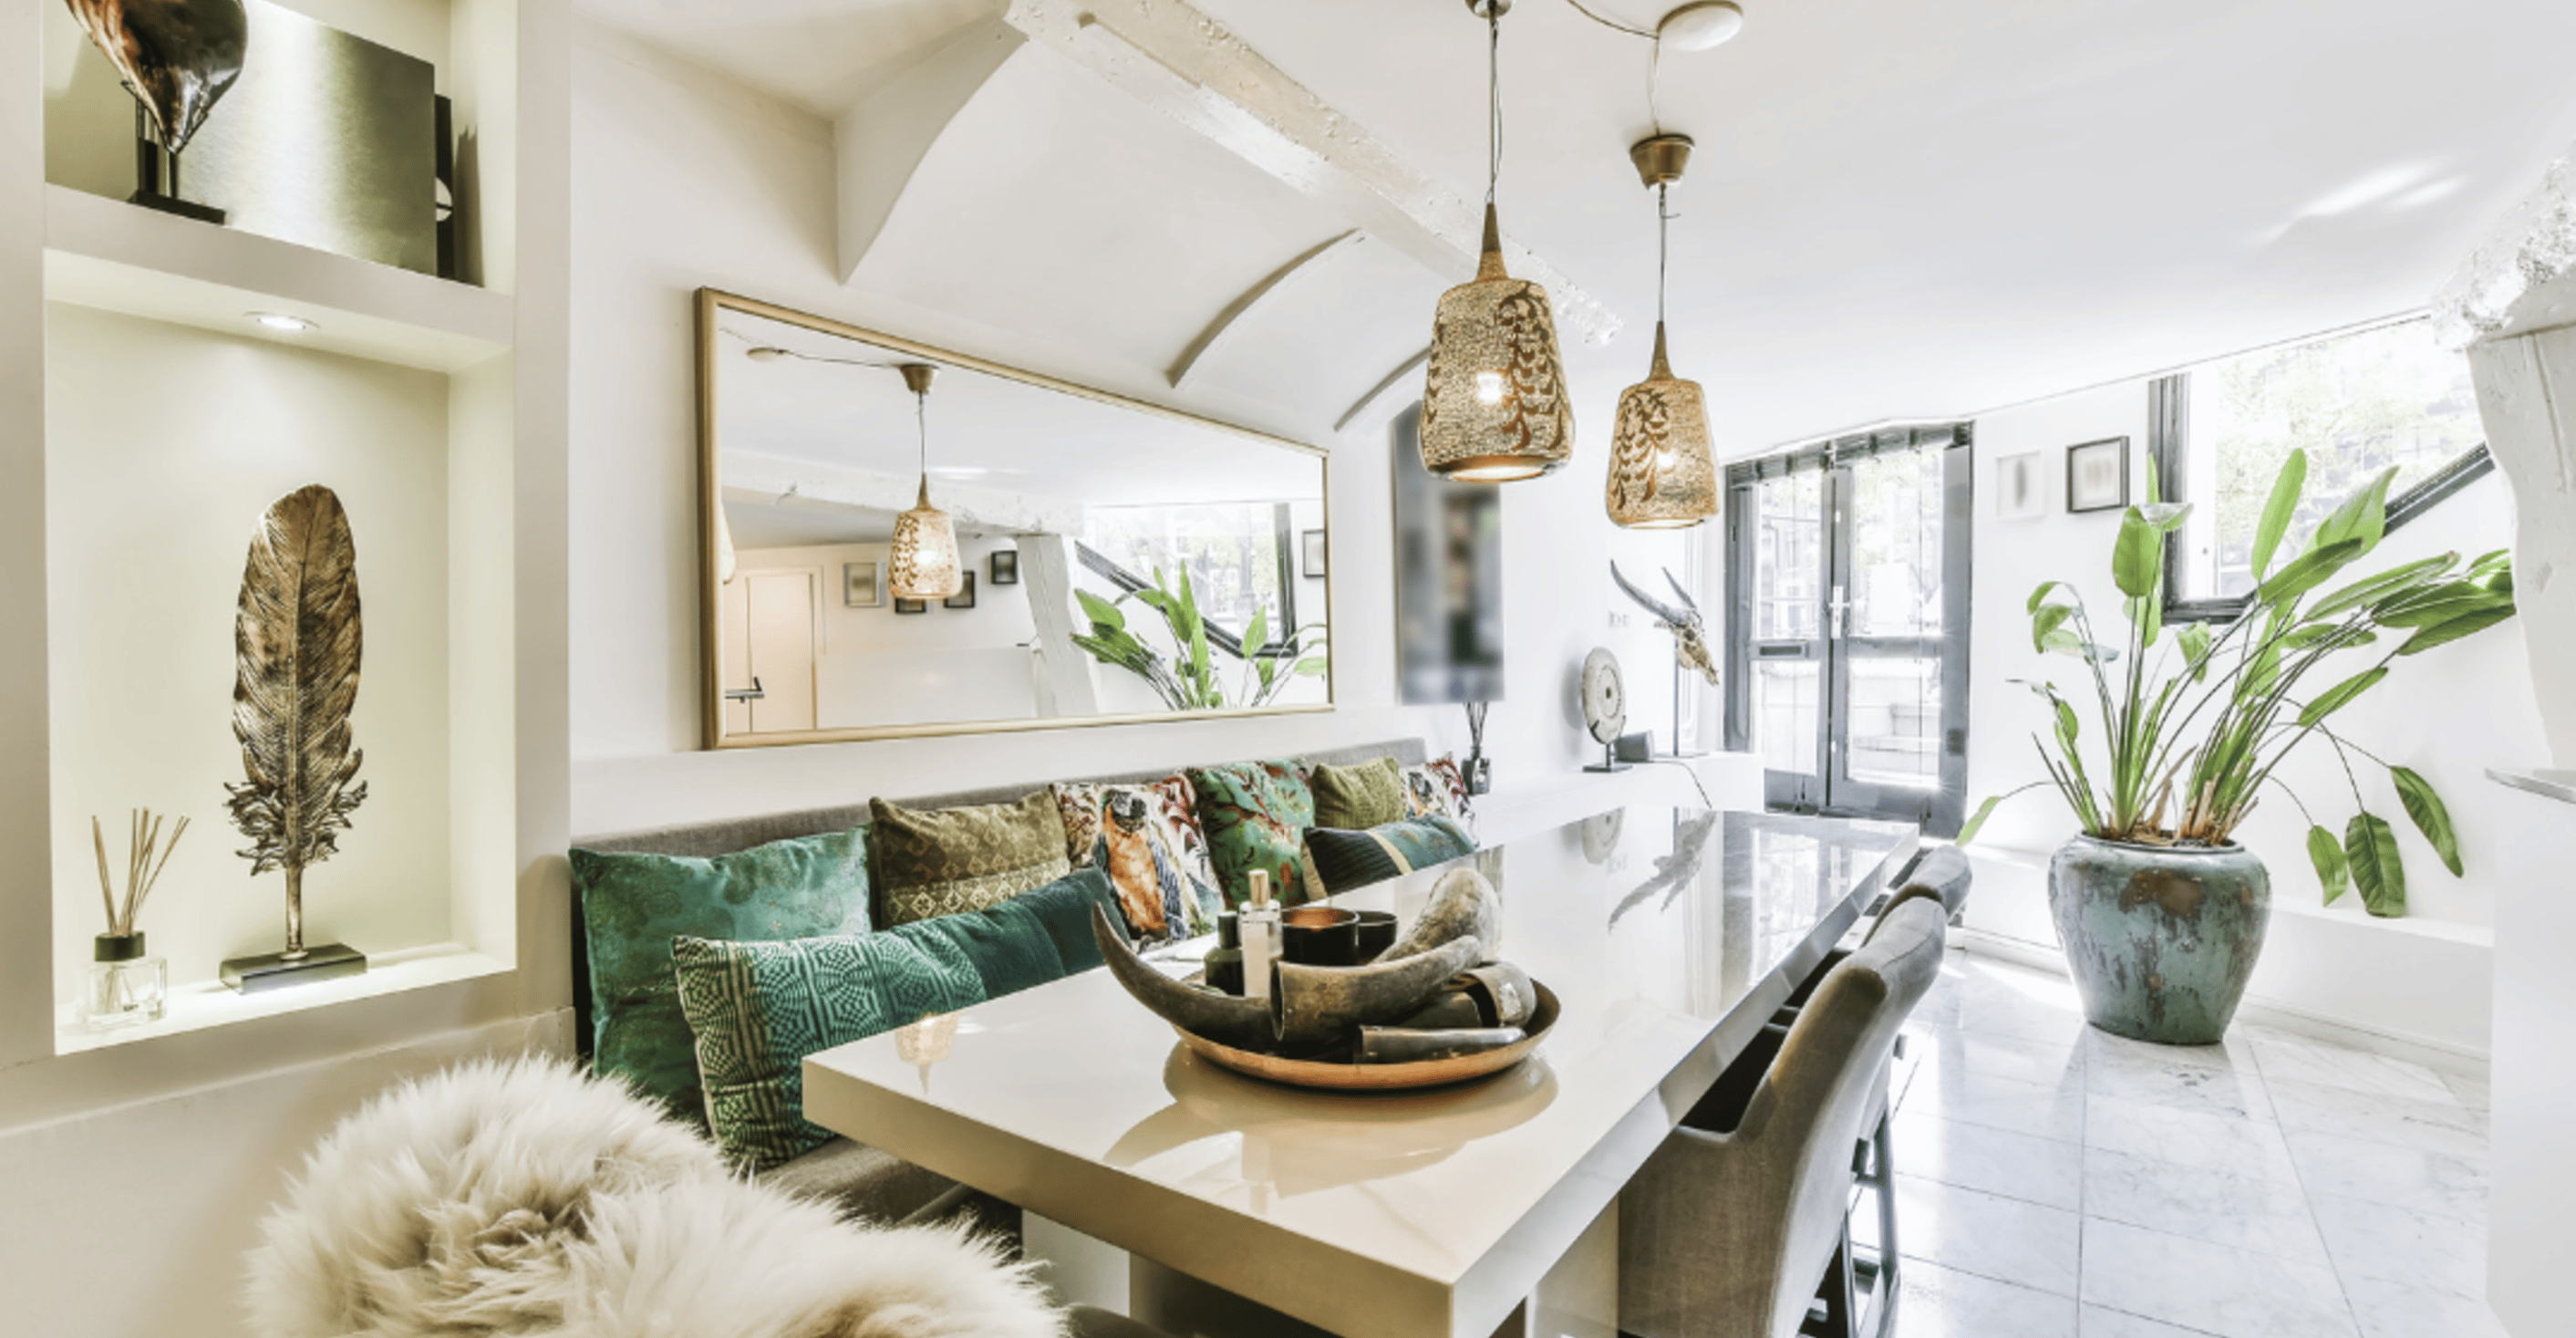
{"points": [[1116, 561]]}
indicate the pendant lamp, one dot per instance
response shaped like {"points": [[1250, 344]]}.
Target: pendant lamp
{"points": [[925, 562], [1494, 407], [1663, 474]]}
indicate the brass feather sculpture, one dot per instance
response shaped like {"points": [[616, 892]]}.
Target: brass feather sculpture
{"points": [[296, 641], [178, 57]]}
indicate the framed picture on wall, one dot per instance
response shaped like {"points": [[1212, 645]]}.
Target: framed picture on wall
{"points": [[912, 606], [859, 586], [1006, 566], [2021, 486], [2097, 475], [1314, 552], [965, 596]]}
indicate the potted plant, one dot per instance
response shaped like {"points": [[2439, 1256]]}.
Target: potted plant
{"points": [[2161, 912], [1189, 681]]}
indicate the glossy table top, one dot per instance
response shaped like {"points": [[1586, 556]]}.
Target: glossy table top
{"points": [[1670, 937]]}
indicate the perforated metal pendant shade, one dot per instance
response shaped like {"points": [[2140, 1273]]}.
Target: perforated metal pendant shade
{"points": [[925, 563], [1663, 472], [1494, 407]]}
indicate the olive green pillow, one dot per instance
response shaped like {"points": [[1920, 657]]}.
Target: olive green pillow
{"points": [[945, 861], [633, 905], [1356, 798]]}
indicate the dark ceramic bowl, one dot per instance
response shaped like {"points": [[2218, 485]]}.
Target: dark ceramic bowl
{"points": [[1320, 936], [1377, 933]]}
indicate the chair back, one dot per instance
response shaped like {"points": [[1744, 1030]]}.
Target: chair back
{"points": [[1942, 875]]}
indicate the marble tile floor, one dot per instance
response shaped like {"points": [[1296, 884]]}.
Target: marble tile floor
{"points": [[2058, 1182]]}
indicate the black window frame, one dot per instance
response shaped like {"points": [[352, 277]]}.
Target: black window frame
{"points": [[2169, 445]]}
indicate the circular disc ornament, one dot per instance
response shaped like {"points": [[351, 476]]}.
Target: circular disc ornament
{"points": [[1605, 695]]}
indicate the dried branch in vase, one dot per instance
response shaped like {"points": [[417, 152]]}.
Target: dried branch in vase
{"points": [[146, 855]]}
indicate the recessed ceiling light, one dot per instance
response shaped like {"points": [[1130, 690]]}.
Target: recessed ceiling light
{"points": [[1698, 27], [283, 323]]}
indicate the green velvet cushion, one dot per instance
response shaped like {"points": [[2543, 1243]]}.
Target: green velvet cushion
{"points": [[632, 906], [1356, 798], [1336, 861], [757, 1009], [1254, 814], [934, 862]]}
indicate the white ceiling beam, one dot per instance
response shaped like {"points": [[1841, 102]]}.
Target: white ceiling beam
{"points": [[879, 144], [1241, 308], [975, 509], [1365, 403], [1184, 64]]}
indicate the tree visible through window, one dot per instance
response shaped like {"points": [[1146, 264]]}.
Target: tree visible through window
{"points": [[2357, 403]]}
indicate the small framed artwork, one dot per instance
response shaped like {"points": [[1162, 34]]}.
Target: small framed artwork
{"points": [[1314, 552], [2097, 475], [2021, 486], [1006, 566], [912, 606], [859, 587], [965, 596]]}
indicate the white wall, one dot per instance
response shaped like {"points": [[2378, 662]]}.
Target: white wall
{"points": [[685, 180], [2449, 714], [874, 666]]}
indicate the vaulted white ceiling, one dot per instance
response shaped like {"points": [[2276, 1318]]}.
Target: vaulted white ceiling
{"points": [[1896, 210]]}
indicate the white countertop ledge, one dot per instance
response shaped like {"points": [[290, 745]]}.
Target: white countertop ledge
{"points": [[2558, 785]]}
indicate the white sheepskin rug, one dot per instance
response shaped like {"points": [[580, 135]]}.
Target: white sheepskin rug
{"points": [[520, 1197]]}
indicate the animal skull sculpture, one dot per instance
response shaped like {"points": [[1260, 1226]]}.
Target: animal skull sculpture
{"points": [[1690, 641]]}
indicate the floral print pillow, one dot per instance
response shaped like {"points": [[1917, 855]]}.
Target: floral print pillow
{"points": [[1255, 815], [1439, 789], [1147, 839]]}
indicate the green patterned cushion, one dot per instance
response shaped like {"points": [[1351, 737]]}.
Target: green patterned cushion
{"points": [[757, 1009], [1356, 798], [1337, 861], [632, 906], [1255, 814], [945, 861]]}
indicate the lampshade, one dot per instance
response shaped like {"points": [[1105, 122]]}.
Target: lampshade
{"points": [[1663, 475], [1494, 407], [925, 564]]}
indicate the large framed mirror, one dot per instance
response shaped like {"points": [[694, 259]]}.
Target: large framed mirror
{"points": [[1105, 561]]}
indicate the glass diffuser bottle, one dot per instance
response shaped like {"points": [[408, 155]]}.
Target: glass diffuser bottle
{"points": [[126, 985]]}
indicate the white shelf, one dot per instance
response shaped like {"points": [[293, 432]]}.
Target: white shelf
{"points": [[211, 1004], [115, 256]]}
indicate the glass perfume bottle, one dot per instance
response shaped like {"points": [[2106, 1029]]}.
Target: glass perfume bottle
{"points": [[126, 986]]}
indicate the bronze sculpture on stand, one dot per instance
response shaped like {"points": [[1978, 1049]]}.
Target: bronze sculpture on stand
{"points": [[178, 58], [1690, 639]]}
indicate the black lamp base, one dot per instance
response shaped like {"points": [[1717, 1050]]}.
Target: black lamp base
{"points": [[172, 204], [270, 971]]}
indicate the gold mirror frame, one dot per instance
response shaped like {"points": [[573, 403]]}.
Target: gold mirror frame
{"points": [[711, 304]]}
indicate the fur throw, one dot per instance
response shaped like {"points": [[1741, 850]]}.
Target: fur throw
{"points": [[521, 1198]]}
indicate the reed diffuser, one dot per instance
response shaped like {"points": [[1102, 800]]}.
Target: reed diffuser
{"points": [[127, 985]]}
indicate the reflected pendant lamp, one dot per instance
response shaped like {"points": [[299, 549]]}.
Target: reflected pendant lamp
{"points": [[1494, 407], [925, 564], [1663, 472]]}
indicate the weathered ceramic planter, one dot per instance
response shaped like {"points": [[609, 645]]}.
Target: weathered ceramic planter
{"points": [[2161, 939]]}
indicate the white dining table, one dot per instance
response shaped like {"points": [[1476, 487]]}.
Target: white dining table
{"points": [[1669, 937]]}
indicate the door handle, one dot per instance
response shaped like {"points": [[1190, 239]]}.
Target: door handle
{"points": [[750, 694]]}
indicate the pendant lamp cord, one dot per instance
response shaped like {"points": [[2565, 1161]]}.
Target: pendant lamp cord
{"points": [[1494, 100], [921, 417], [1663, 246]]}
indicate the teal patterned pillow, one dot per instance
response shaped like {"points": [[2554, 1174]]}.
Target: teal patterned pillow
{"points": [[1255, 815], [1338, 860], [758, 1009], [633, 905]]}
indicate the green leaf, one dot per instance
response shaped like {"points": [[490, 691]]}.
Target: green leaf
{"points": [[2431, 817], [2327, 855], [2371, 845], [2341, 694], [1312, 666], [2167, 517], [2277, 512], [2310, 570], [2363, 517], [2442, 634], [2040, 595], [1100, 611], [2047, 620], [1976, 821], [2195, 640], [2149, 614], [2138, 557], [2393, 582], [1257, 635], [2441, 605]]}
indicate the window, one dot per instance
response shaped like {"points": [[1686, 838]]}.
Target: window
{"points": [[1848, 582], [1236, 555], [2357, 403]]}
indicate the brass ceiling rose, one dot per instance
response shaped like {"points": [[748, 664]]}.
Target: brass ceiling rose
{"points": [[1489, 9], [1703, 26], [1661, 159]]}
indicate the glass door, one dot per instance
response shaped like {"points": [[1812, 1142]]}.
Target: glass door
{"points": [[1849, 641]]}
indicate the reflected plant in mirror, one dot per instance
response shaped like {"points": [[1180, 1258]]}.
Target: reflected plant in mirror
{"points": [[1084, 508]]}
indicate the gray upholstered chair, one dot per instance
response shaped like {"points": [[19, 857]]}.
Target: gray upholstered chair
{"points": [[1741, 1220]]}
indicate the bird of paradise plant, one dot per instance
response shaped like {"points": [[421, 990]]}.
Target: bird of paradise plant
{"points": [[1189, 681], [2188, 747]]}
